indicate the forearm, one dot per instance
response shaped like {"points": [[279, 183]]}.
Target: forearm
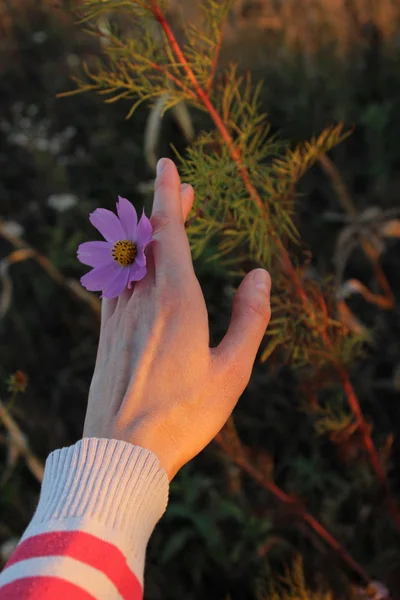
{"points": [[99, 503]]}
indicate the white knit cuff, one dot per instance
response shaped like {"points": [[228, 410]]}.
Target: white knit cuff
{"points": [[108, 488]]}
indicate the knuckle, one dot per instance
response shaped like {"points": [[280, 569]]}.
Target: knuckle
{"points": [[159, 183], [169, 296], [258, 309], [162, 183], [159, 221], [267, 312]]}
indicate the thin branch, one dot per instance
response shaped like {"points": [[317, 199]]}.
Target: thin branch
{"points": [[18, 438], [370, 251], [349, 207], [288, 500], [339, 185], [174, 79], [151, 64], [365, 431], [217, 52], [199, 213], [214, 63], [71, 285]]}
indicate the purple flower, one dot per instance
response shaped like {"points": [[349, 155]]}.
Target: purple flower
{"points": [[120, 260]]}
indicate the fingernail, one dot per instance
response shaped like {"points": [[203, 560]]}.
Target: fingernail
{"points": [[184, 186], [162, 163], [262, 280]]}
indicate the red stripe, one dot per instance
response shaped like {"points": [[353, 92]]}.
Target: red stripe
{"points": [[86, 548], [43, 588]]}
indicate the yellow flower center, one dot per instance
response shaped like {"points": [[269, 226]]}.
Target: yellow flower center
{"points": [[124, 252]]}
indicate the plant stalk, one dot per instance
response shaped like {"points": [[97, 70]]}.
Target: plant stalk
{"points": [[311, 521], [352, 398]]}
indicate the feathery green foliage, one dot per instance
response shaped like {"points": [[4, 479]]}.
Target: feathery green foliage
{"points": [[300, 335], [245, 177], [333, 417], [142, 65], [247, 203]]}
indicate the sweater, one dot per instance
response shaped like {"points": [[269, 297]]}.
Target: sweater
{"points": [[99, 503]]}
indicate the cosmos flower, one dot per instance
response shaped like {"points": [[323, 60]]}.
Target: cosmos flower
{"points": [[120, 260]]}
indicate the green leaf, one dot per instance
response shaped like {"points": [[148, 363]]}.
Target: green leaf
{"points": [[175, 544], [268, 350]]}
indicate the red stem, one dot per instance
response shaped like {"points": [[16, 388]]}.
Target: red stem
{"points": [[368, 443], [241, 462], [343, 376]]}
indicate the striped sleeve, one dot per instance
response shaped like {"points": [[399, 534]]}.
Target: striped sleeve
{"points": [[99, 503]]}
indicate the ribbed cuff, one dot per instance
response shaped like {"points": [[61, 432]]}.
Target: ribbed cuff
{"points": [[109, 488]]}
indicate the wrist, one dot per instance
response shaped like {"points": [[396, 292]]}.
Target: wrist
{"points": [[150, 434], [109, 488]]}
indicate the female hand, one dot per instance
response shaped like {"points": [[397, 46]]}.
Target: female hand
{"points": [[157, 383]]}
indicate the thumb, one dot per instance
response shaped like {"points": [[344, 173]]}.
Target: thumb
{"points": [[251, 313]]}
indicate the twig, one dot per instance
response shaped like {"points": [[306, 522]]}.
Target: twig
{"points": [[199, 212], [372, 254], [312, 522], [349, 207], [68, 283], [365, 431], [339, 185], [284, 256], [34, 464], [216, 54]]}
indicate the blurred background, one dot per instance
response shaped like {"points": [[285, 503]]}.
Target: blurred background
{"points": [[60, 158]]}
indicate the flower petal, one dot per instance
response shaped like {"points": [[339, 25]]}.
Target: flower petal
{"points": [[95, 254], [100, 277], [118, 284], [108, 224], [140, 259], [136, 274], [144, 232], [128, 217]]}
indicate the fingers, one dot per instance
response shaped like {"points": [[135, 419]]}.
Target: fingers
{"points": [[171, 249], [251, 312], [187, 195], [124, 298], [187, 198], [107, 308]]}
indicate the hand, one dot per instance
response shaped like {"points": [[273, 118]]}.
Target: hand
{"points": [[157, 383]]}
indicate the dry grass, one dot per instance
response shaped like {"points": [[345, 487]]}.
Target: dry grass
{"points": [[341, 24]]}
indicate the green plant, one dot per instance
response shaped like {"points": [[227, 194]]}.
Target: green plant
{"points": [[308, 84], [293, 587], [249, 177]]}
